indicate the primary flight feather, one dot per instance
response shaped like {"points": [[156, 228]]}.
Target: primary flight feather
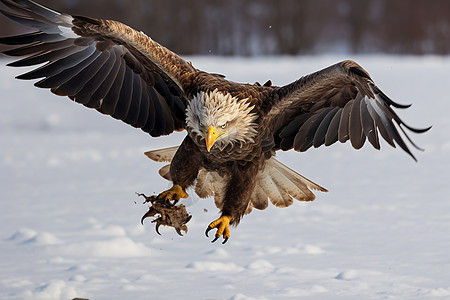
{"points": [[233, 129]]}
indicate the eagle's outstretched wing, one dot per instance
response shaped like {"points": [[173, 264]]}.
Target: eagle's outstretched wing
{"points": [[338, 103], [101, 64]]}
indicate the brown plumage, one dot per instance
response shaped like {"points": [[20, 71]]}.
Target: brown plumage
{"points": [[233, 129]]}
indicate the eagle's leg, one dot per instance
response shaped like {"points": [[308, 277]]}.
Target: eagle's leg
{"points": [[175, 193], [183, 171], [237, 197], [223, 228]]}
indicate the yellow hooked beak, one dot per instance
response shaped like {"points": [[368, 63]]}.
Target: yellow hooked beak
{"points": [[211, 137]]}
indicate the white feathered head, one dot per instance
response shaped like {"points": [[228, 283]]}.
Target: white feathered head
{"points": [[221, 119]]}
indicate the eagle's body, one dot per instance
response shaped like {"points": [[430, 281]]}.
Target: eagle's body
{"points": [[233, 129]]}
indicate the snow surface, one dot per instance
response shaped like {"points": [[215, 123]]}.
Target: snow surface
{"points": [[69, 216]]}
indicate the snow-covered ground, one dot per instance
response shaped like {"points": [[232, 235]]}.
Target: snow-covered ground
{"points": [[69, 216]]}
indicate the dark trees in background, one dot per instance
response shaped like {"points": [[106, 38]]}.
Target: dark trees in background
{"points": [[269, 27]]}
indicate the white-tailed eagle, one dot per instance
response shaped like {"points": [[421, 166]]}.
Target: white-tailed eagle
{"points": [[233, 129]]}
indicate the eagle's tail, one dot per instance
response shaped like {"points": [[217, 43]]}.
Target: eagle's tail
{"points": [[281, 185], [162, 155]]}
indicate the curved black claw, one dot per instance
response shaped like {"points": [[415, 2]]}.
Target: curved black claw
{"points": [[225, 239], [178, 231], [157, 228], [188, 219], [147, 214], [207, 231]]}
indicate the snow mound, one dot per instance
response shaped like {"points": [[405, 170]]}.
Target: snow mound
{"points": [[440, 292], [212, 266], [29, 236], [43, 238], [22, 235], [108, 230], [240, 296], [77, 278], [16, 282], [57, 289], [261, 266], [82, 268], [217, 253], [311, 249], [111, 248], [348, 275], [298, 292]]}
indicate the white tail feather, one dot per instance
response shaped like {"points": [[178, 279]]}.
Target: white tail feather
{"points": [[281, 185], [162, 155], [294, 176], [165, 172]]}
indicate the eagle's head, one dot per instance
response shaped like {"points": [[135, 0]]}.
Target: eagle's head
{"points": [[221, 119]]}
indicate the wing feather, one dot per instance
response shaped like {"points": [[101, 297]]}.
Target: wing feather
{"points": [[43, 57], [145, 108], [380, 125], [312, 129], [55, 67], [36, 10], [102, 91], [74, 85], [41, 47], [357, 137], [101, 64], [30, 38], [125, 96], [109, 102], [320, 134], [45, 27], [158, 109], [338, 103], [331, 136], [135, 102], [85, 95], [302, 134], [68, 73], [368, 123], [344, 124]]}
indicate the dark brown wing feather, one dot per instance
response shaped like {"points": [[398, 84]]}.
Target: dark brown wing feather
{"points": [[101, 64], [339, 103]]}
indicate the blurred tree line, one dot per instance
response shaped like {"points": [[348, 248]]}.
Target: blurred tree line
{"points": [[270, 27]]}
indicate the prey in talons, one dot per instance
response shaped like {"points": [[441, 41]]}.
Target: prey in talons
{"points": [[168, 214]]}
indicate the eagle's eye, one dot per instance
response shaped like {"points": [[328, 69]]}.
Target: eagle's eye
{"points": [[224, 125]]}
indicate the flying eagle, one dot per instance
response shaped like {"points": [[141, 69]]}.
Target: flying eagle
{"points": [[233, 129]]}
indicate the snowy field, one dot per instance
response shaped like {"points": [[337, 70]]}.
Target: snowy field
{"points": [[69, 216]]}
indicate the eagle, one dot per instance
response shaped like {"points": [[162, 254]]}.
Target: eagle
{"points": [[233, 129]]}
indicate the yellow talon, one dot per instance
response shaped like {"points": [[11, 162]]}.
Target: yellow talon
{"points": [[223, 228], [173, 194]]}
